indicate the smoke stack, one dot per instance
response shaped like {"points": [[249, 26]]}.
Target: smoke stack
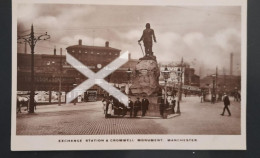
{"points": [[80, 42], [129, 56], [54, 50], [25, 47], [231, 64], [107, 44]]}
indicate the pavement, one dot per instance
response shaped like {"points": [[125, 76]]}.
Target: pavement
{"points": [[88, 119]]}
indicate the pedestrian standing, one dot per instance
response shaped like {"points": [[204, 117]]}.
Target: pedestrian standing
{"points": [[137, 106], [173, 102], [213, 98], [104, 102], [201, 97], [35, 104], [109, 108], [145, 104], [116, 106], [239, 96], [162, 106], [18, 105], [129, 107], [121, 109], [226, 104]]}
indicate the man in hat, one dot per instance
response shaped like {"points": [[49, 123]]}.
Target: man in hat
{"points": [[148, 37], [116, 106], [137, 106], [226, 104], [145, 104], [129, 107]]}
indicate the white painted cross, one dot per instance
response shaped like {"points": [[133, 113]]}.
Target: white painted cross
{"points": [[97, 78]]}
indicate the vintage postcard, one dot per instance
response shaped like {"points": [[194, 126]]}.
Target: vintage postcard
{"points": [[139, 74]]}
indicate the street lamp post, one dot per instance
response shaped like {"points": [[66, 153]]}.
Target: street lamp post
{"points": [[166, 73], [213, 88], [60, 77], [75, 100], [129, 72], [31, 39], [179, 74]]}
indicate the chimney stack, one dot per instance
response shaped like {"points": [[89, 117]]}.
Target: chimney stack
{"points": [[107, 44], [231, 64], [80, 42], [25, 47], [54, 50]]}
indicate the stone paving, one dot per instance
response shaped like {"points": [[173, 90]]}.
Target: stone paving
{"points": [[204, 118], [88, 119]]}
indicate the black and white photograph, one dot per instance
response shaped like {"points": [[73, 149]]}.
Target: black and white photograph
{"points": [[118, 75]]}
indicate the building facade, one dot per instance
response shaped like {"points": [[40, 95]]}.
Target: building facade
{"points": [[189, 79], [51, 71], [222, 83]]}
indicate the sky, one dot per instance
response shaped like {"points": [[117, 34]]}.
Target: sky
{"points": [[204, 36]]}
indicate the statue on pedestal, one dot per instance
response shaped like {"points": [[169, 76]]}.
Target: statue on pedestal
{"points": [[147, 72], [147, 38], [145, 80]]}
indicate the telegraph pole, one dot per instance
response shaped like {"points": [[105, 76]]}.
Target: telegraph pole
{"points": [[60, 76], [25, 48], [181, 79], [180, 88], [31, 39], [216, 89]]}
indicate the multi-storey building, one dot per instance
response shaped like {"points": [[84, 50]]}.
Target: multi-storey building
{"points": [[49, 69], [190, 81]]}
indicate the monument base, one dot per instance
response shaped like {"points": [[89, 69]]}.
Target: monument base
{"points": [[146, 77], [153, 108], [146, 82], [156, 108]]}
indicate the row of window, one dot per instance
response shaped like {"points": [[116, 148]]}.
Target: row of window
{"points": [[91, 52], [47, 79]]}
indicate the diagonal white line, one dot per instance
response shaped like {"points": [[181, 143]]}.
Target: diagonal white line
{"points": [[79, 66], [114, 65], [97, 78], [114, 92]]}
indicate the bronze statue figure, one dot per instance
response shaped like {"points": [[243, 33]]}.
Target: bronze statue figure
{"points": [[148, 37]]}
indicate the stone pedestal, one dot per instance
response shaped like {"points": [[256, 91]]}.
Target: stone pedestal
{"points": [[146, 77], [153, 108], [146, 83]]}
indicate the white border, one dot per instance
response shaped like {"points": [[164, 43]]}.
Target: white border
{"points": [[204, 142]]}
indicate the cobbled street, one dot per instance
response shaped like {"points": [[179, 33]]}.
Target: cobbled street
{"points": [[88, 119]]}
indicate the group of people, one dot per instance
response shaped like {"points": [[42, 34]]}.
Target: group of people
{"points": [[113, 107], [23, 101], [237, 96], [170, 104]]}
